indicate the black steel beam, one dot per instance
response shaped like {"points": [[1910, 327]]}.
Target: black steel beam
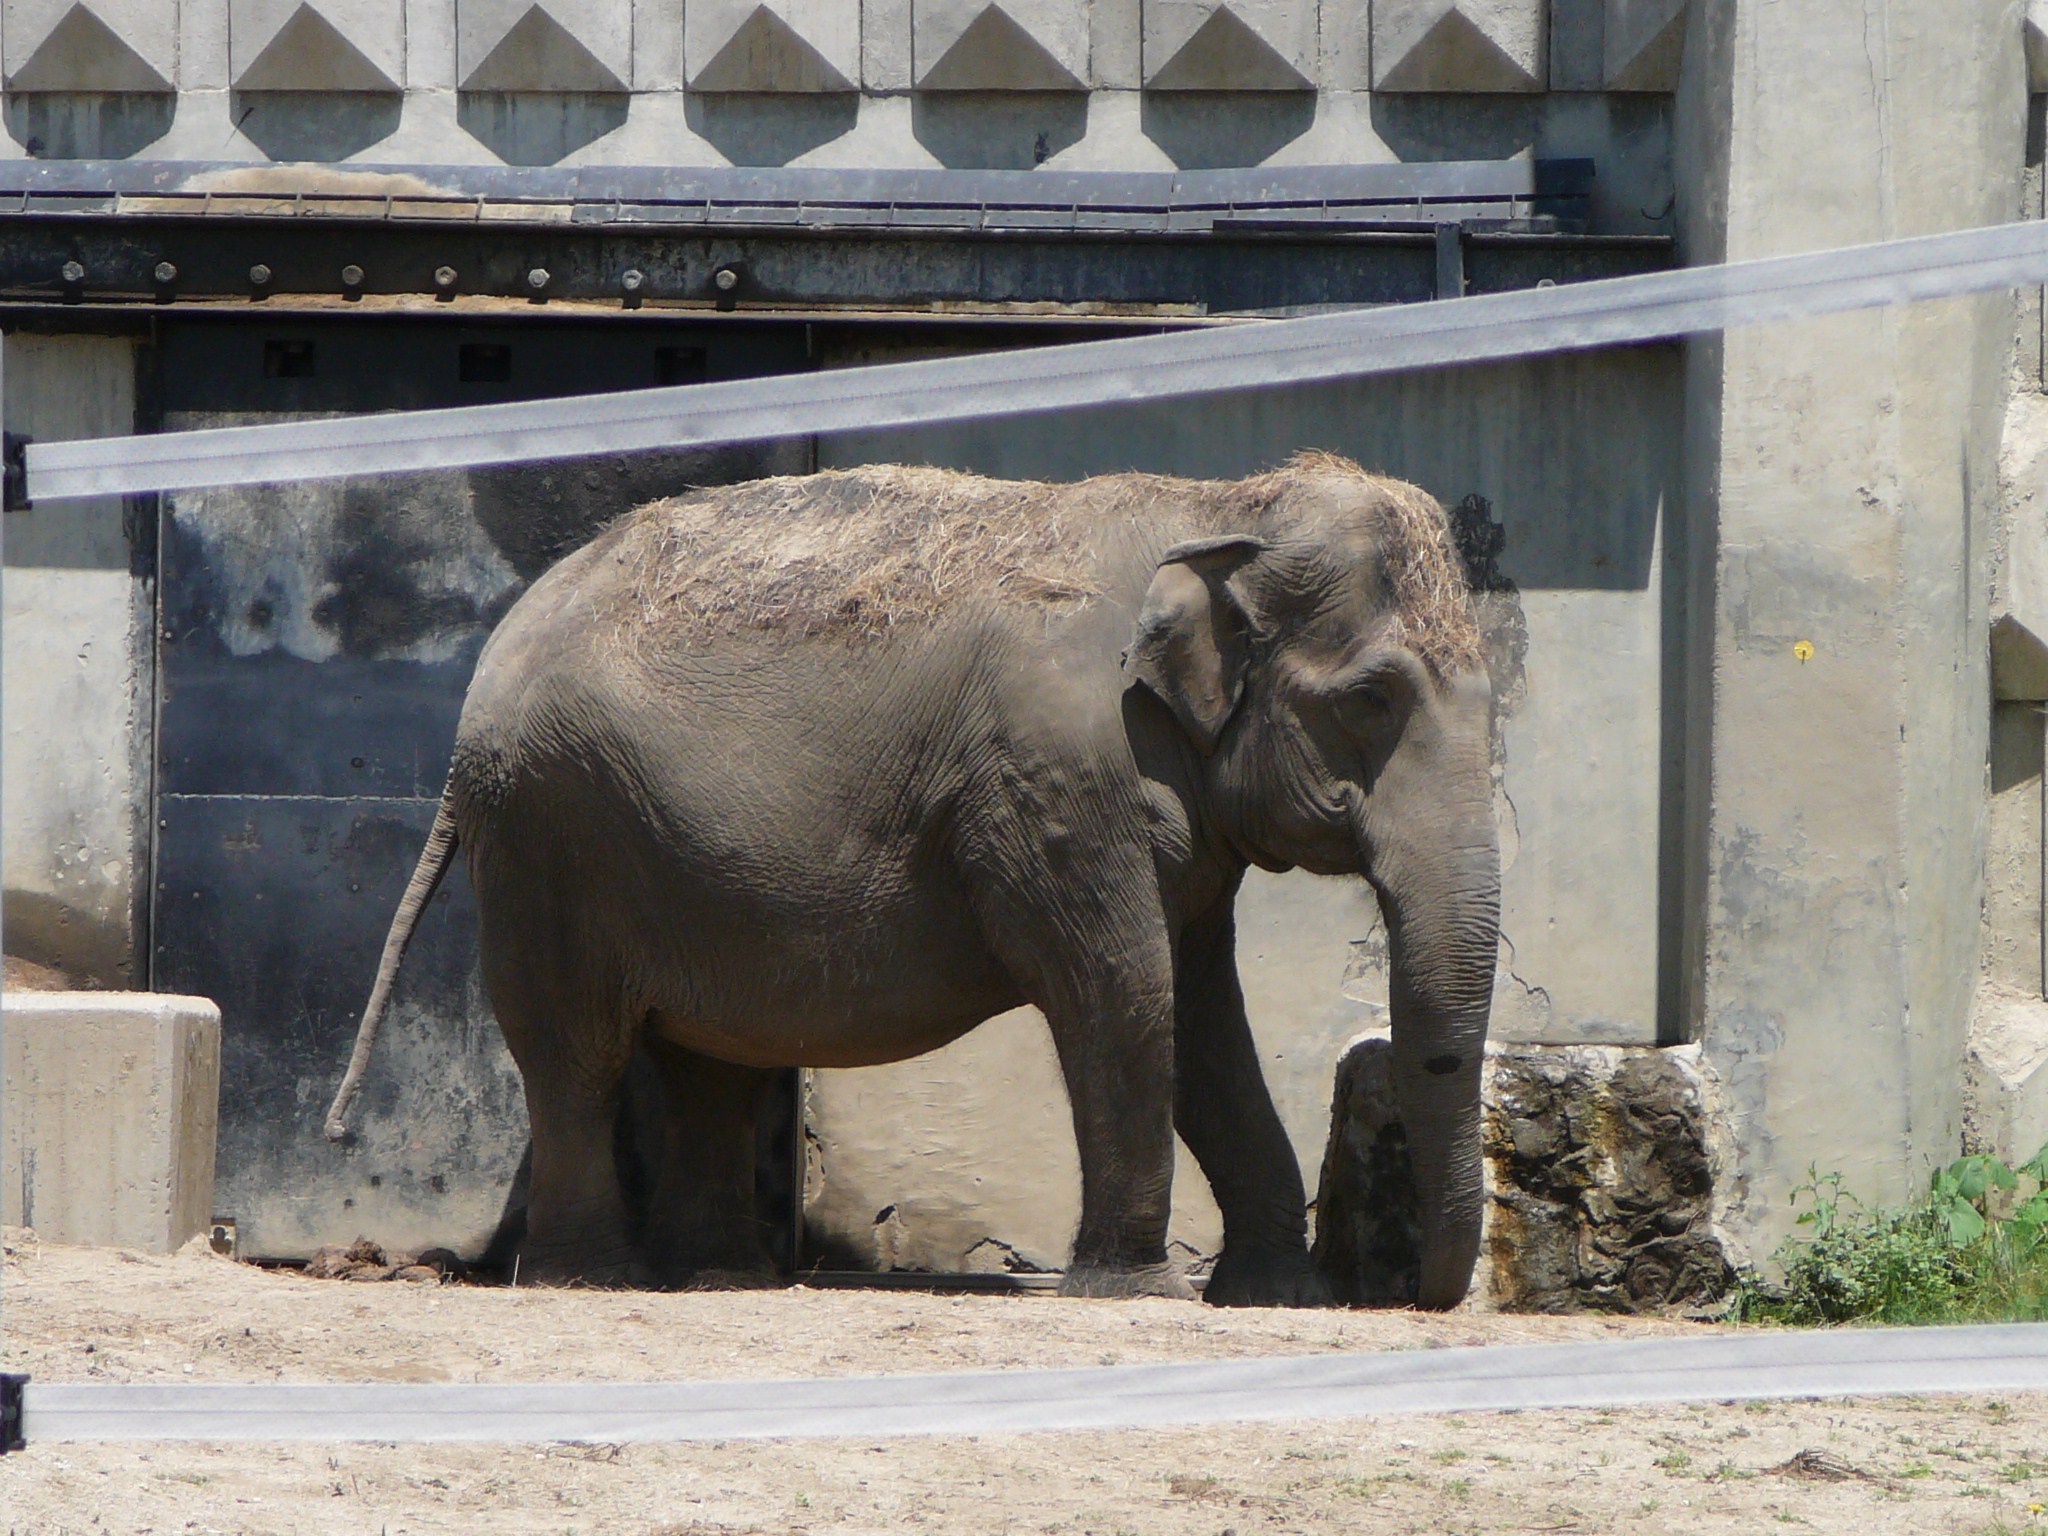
{"points": [[150, 259]]}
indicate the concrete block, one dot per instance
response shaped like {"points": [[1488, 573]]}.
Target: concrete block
{"points": [[658, 45], [1241, 45], [429, 45], [107, 1130], [515, 45], [117, 46], [279, 45], [203, 48], [1478, 46], [885, 45], [1643, 43], [2035, 27], [1601, 1166], [2005, 1077], [970, 45], [781, 46], [1116, 35], [1576, 52]]}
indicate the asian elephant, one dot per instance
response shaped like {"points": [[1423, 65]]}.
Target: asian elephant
{"points": [[827, 770]]}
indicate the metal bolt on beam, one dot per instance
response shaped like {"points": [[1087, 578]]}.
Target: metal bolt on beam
{"points": [[631, 279], [537, 279], [444, 277], [725, 279], [72, 272], [351, 276], [166, 272], [259, 274]]}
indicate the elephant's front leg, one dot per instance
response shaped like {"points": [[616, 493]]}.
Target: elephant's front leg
{"points": [[1085, 942], [1225, 1114]]}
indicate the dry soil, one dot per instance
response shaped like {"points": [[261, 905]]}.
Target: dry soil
{"points": [[1961, 1465]]}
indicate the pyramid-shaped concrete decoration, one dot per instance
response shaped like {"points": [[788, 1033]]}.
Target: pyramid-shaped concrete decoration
{"points": [[995, 53], [1645, 40], [1481, 46], [1226, 54], [767, 54], [540, 54], [309, 53], [83, 53]]}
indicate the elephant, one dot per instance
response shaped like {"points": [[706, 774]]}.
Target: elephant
{"points": [[827, 770]]}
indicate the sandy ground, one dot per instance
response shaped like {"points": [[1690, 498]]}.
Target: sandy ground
{"points": [[1962, 1465]]}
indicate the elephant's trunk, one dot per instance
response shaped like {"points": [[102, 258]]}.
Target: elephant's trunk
{"points": [[1442, 913]]}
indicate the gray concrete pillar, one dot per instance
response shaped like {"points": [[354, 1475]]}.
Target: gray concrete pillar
{"points": [[1840, 478]]}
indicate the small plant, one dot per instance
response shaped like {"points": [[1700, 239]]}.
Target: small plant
{"points": [[1974, 1249]]}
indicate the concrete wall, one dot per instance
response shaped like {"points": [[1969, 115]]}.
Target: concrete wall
{"points": [[1840, 476], [1122, 84], [76, 701], [971, 1149]]}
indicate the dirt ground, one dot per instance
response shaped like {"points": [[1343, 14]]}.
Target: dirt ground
{"points": [[1951, 1465]]}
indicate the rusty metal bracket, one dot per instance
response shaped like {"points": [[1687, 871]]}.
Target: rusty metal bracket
{"points": [[12, 1391], [14, 471]]}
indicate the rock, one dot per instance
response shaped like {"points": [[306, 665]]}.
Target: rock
{"points": [[1367, 1237], [1599, 1175]]}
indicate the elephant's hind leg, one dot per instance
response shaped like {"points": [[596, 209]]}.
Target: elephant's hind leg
{"points": [[571, 1033]]}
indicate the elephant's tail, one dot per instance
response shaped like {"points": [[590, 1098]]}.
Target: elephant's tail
{"points": [[426, 876]]}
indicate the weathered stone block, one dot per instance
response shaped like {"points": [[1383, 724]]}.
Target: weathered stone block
{"points": [[1599, 1173], [1366, 1230], [2005, 1103], [107, 1129]]}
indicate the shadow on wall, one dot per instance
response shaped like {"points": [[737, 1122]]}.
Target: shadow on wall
{"points": [[539, 127], [1204, 130], [92, 950], [315, 125], [998, 131], [760, 129], [88, 125]]}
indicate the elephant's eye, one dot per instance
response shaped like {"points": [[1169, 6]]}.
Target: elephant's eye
{"points": [[1366, 709]]}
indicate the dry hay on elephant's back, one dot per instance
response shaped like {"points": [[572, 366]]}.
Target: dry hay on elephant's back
{"points": [[860, 553]]}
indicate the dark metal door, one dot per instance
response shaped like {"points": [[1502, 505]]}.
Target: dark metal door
{"points": [[315, 642]]}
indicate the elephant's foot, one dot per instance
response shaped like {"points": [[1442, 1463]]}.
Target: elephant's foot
{"points": [[613, 1270], [1266, 1277], [750, 1278], [710, 1258], [1125, 1283]]}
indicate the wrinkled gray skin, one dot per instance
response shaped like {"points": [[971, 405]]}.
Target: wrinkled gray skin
{"points": [[757, 851]]}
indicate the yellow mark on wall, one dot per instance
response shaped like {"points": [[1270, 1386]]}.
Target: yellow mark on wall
{"points": [[1803, 649]]}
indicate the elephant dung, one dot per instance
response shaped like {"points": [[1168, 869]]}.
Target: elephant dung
{"points": [[1600, 1182]]}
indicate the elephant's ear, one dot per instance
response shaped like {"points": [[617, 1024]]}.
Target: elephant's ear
{"points": [[1191, 647]]}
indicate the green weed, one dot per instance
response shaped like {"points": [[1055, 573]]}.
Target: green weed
{"points": [[1974, 1249]]}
